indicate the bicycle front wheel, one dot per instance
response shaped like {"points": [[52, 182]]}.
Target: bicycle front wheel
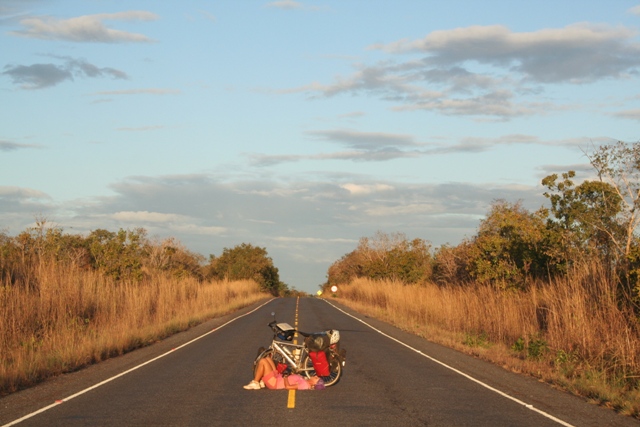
{"points": [[262, 353]]}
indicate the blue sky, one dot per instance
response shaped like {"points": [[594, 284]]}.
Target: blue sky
{"points": [[302, 126]]}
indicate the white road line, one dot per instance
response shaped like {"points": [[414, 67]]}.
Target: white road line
{"points": [[526, 405], [68, 398]]}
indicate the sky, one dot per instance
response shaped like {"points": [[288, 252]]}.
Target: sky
{"points": [[303, 126]]}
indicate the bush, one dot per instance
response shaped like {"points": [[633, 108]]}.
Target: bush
{"points": [[244, 262], [384, 257]]}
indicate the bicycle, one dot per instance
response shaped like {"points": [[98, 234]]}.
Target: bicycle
{"points": [[297, 357]]}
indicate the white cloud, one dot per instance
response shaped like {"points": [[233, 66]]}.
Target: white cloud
{"points": [[576, 53], [208, 16], [148, 91], [312, 240], [629, 114], [20, 205], [391, 82], [146, 216], [489, 72], [141, 129], [285, 4], [498, 103], [168, 222], [410, 209], [379, 154], [200, 230], [635, 10], [87, 28], [367, 146], [358, 189], [22, 193], [474, 144], [352, 115], [364, 140]]}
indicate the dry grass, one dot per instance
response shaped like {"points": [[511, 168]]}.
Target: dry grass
{"points": [[569, 333], [75, 318]]}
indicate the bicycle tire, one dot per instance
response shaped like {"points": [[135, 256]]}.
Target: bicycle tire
{"points": [[335, 370], [261, 355]]}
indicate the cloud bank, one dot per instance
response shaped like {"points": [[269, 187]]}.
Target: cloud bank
{"points": [[489, 71], [84, 29], [12, 146], [379, 147], [40, 76]]}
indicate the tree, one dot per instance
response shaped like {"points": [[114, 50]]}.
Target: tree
{"points": [[345, 269], [119, 255], [584, 218], [451, 264], [509, 246], [172, 257], [43, 243], [619, 166], [385, 256], [247, 262]]}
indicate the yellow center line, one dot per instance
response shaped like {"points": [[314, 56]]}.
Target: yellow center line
{"points": [[291, 401]]}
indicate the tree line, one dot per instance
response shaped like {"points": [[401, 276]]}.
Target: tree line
{"points": [[129, 255], [591, 222]]}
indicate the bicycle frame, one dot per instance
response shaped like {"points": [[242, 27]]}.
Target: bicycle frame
{"points": [[288, 352]]}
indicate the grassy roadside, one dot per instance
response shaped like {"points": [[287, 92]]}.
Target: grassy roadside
{"points": [[570, 334], [75, 318]]}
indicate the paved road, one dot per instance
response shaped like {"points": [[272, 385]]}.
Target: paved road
{"points": [[391, 379]]}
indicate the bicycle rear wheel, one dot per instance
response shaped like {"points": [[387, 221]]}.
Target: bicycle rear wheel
{"points": [[335, 369]]}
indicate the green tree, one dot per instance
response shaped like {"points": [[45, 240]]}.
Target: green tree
{"points": [[172, 257], [584, 219], [119, 255], [385, 256], [20, 255], [509, 246], [246, 261]]}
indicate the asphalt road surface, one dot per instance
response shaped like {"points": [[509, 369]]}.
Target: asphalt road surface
{"points": [[391, 378]]}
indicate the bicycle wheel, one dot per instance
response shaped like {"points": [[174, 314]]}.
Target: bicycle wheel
{"points": [[335, 370], [307, 365], [262, 353], [277, 359]]}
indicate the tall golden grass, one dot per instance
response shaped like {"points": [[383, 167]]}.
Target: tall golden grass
{"points": [[74, 318], [571, 332]]}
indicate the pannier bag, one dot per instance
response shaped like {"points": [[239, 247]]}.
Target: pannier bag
{"points": [[282, 368], [320, 363], [322, 340]]}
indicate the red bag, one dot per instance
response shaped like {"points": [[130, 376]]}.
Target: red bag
{"points": [[320, 363], [281, 367]]}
